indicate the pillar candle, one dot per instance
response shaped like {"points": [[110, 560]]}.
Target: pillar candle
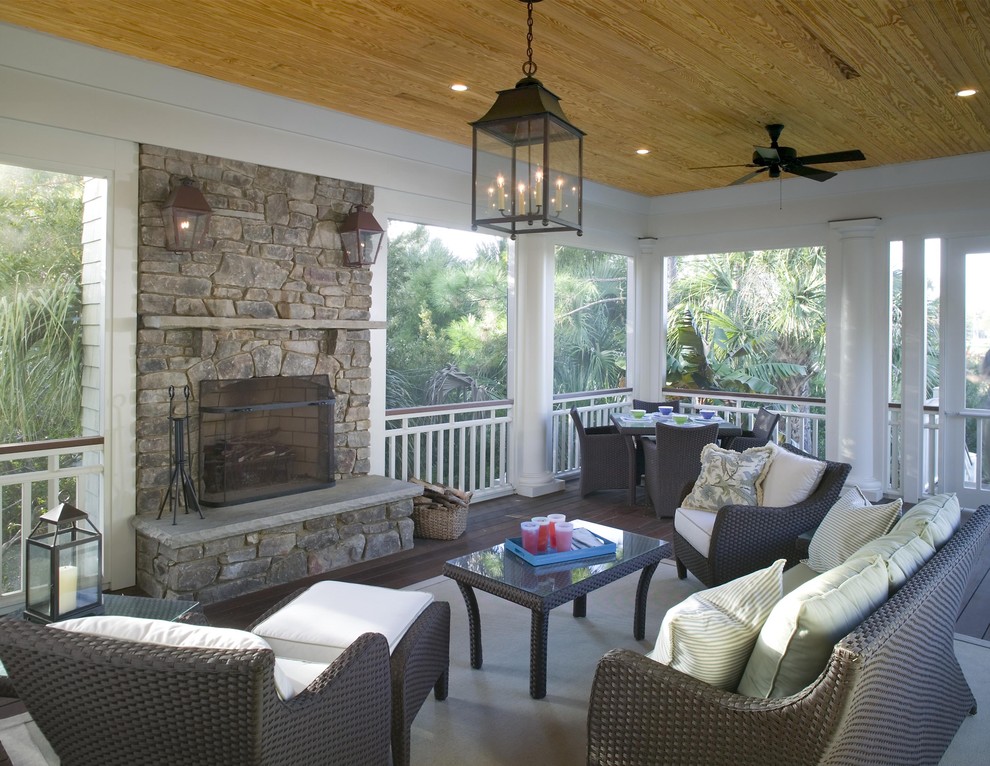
{"points": [[68, 580]]}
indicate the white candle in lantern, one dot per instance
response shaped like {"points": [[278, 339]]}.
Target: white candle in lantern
{"points": [[68, 581], [558, 200], [522, 199], [500, 182]]}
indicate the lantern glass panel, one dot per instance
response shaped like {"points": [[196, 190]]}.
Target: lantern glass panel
{"points": [[361, 246], [39, 576], [527, 170], [63, 572]]}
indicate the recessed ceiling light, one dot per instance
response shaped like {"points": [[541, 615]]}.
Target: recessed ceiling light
{"points": [[642, 151], [458, 87], [966, 92]]}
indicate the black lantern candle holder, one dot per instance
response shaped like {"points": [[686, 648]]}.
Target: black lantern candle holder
{"points": [[63, 576]]}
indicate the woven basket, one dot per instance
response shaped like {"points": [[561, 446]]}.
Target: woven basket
{"points": [[439, 523]]}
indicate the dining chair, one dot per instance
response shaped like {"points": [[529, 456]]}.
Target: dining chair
{"points": [[604, 456], [764, 424], [673, 462]]}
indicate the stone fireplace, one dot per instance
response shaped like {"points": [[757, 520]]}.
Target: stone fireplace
{"points": [[264, 437], [267, 297]]}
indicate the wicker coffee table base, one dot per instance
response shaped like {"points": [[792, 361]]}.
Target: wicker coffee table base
{"points": [[540, 606]]}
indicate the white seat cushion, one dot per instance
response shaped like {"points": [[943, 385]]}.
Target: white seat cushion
{"points": [[297, 675], [326, 618], [709, 635], [791, 478], [177, 634], [695, 526]]}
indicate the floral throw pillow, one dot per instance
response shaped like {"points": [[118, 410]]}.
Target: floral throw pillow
{"points": [[729, 478]]}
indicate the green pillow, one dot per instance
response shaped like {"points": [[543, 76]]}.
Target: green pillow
{"points": [[848, 526], [935, 518], [903, 551], [798, 637], [710, 634], [729, 478]]}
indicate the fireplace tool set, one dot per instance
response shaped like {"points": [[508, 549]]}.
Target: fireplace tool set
{"points": [[180, 486]]}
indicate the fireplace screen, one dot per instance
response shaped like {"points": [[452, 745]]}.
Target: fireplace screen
{"points": [[265, 437]]}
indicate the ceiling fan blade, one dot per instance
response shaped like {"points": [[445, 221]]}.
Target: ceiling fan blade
{"points": [[768, 153], [716, 167], [853, 155], [813, 173], [748, 176]]}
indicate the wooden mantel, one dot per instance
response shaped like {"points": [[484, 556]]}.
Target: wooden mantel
{"points": [[247, 323]]}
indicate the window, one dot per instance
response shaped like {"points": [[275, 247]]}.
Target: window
{"points": [[750, 322], [447, 316], [590, 289], [52, 250]]}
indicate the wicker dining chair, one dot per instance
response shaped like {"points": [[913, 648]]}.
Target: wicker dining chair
{"points": [[604, 456], [764, 423], [642, 404], [109, 702], [673, 462]]}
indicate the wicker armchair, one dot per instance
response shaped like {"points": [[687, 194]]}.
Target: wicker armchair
{"points": [[891, 693], [764, 423], [604, 457], [673, 462], [109, 702], [746, 537]]}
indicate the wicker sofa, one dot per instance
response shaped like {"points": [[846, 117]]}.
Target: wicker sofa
{"points": [[892, 691]]}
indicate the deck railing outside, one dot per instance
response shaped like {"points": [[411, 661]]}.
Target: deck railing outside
{"points": [[32, 478], [458, 445]]}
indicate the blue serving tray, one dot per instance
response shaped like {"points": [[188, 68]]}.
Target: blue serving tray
{"points": [[514, 544]]}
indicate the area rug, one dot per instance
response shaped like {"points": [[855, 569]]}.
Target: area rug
{"points": [[489, 719]]}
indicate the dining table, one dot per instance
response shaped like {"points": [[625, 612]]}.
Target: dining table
{"points": [[638, 428]]}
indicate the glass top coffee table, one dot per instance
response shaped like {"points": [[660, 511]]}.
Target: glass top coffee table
{"points": [[541, 588]]}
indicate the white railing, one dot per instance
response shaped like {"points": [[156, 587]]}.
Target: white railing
{"points": [[458, 445], [802, 421], [928, 460], [32, 478]]}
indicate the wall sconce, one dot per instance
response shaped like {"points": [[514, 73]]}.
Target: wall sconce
{"points": [[63, 576], [362, 237], [187, 218], [526, 160]]}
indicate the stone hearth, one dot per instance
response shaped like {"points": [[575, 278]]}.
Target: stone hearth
{"points": [[249, 547]]}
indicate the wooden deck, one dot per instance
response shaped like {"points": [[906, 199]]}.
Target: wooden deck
{"points": [[490, 522]]}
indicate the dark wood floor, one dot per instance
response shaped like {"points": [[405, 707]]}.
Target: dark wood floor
{"points": [[490, 522]]}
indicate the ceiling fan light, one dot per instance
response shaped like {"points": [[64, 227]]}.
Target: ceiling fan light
{"points": [[966, 92]]}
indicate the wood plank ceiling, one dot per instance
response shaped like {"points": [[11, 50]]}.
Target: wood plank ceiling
{"points": [[693, 81]]}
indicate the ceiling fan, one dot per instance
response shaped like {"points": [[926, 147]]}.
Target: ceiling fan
{"points": [[773, 159]]}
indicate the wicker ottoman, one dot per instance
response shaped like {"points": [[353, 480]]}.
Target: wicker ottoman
{"points": [[316, 623]]}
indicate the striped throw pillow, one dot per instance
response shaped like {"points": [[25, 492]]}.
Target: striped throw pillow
{"points": [[710, 634], [851, 523]]}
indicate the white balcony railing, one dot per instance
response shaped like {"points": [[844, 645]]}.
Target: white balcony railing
{"points": [[467, 445], [459, 445], [32, 479]]}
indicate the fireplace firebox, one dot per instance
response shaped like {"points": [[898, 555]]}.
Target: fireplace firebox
{"points": [[265, 437]]}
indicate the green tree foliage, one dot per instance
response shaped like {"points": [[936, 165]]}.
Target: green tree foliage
{"points": [[589, 352], [40, 336], [444, 311], [752, 322]]}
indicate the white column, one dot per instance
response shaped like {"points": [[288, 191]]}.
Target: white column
{"points": [[913, 356], [646, 338], [531, 365], [856, 347]]}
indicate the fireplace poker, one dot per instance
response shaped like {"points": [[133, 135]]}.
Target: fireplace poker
{"points": [[180, 482]]}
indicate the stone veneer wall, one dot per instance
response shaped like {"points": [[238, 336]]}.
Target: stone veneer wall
{"points": [[267, 294]]}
